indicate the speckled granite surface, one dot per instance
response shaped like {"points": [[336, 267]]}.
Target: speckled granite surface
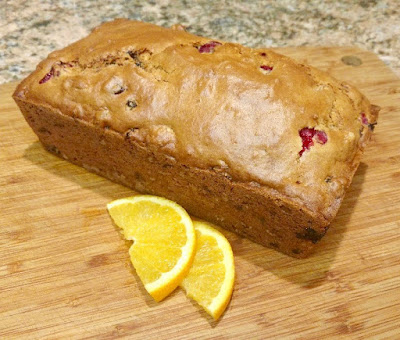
{"points": [[29, 30]]}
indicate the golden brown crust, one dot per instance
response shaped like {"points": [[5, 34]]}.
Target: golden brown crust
{"points": [[216, 108]]}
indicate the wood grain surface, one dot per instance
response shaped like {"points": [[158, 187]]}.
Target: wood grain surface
{"points": [[65, 271]]}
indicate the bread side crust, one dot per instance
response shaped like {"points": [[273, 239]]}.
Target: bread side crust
{"points": [[255, 212]]}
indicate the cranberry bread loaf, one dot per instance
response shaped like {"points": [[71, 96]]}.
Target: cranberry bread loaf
{"points": [[245, 138]]}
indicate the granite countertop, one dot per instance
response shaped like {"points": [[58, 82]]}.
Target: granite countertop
{"points": [[32, 29]]}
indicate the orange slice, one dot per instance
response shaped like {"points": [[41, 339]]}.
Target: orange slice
{"points": [[212, 274], [163, 240]]}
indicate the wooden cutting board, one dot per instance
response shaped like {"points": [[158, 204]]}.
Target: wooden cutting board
{"points": [[65, 272]]}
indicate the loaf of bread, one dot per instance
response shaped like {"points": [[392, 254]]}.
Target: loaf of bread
{"points": [[245, 138]]}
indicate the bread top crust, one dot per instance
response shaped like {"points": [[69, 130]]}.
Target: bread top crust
{"points": [[213, 105]]}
